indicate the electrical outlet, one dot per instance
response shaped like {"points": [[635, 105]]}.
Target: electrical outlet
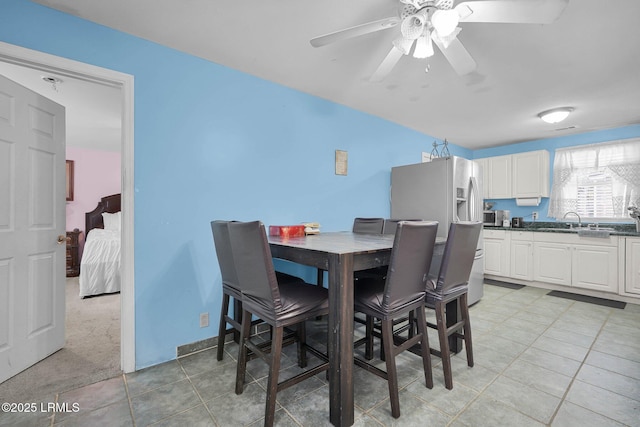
{"points": [[204, 320], [534, 215]]}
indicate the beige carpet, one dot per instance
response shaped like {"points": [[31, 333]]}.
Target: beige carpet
{"points": [[91, 352]]}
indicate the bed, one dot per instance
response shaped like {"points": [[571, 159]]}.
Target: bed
{"points": [[100, 262]]}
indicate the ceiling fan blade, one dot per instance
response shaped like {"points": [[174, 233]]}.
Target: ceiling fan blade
{"points": [[517, 12], [458, 56], [387, 65], [358, 30]]}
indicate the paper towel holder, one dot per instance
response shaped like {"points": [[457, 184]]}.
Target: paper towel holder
{"points": [[528, 201]]}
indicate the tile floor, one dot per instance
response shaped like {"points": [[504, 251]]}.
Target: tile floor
{"points": [[540, 360]]}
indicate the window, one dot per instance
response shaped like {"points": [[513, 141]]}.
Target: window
{"points": [[599, 181]]}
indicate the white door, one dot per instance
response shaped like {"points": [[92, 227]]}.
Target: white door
{"points": [[32, 228]]}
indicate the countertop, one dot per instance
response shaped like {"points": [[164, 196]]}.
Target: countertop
{"points": [[561, 227]]}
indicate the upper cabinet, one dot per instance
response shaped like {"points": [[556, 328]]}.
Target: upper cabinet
{"points": [[500, 177], [530, 174], [484, 166], [521, 175]]}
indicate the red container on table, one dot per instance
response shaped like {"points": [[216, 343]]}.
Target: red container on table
{"points": [[286, 230]]}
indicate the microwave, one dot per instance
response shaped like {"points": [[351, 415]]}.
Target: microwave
{"points": [[495, 218]]}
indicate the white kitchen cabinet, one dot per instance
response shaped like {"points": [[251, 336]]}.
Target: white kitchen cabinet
{"points": [[521, 255], [632, 265], [577, 261], [496, 252], [486, 183], [595, 267], [530, 174], [499, 177], [516, 175], [552, 263]]}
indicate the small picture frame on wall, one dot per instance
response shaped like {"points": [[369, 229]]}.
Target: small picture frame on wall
{"points": [[69, 174]]}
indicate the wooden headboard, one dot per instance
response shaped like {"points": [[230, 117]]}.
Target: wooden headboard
{"points": [[93, 219]]}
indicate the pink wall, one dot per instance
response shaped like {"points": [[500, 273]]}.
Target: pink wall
{"points": [[96, 174]]}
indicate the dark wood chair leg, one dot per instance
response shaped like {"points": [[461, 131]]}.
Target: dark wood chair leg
{"points": [[242, 352], [368, 352], [445, 352], [274, 369], [392, 374], [424, 346], [302, 341], [464, 308], [412, 331], [222, 329], [237, 315]]}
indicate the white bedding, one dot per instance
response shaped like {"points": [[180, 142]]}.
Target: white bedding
{"points": [[100, 263]]}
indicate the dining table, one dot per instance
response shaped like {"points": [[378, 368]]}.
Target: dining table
{"points": [[340, 254]]}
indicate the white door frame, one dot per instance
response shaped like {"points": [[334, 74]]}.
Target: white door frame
{"points": [[74, 69]]}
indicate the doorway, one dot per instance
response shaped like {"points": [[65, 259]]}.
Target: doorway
{"points": [[61, 66]]}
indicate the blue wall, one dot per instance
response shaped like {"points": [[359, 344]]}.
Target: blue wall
{"points": [[214, 143], [550, 145]]}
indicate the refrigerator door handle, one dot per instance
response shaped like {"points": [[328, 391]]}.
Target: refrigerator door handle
{"points": [[474, 205]]}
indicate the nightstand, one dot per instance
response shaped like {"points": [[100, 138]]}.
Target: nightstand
{"points": [[73, 255]]}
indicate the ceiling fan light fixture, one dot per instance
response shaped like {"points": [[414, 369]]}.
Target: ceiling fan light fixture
{"points": [[445, 21], [424, 47], [403, 45], [446, 40], [555, 115]]}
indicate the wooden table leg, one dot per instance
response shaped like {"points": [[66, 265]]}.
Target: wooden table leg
{"points": [[341, 339]]}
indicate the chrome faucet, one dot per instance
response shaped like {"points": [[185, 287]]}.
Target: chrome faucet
{"points": [[576, 214]]}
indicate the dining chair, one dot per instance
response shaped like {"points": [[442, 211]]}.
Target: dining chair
{"points": [[230, 286], [367, 225], [389, 226], [451, 285], [279, 305], [402, 292], [363, 226]]}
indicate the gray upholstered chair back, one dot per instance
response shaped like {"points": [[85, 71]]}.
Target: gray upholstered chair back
{"points": [[390, 225], [459, 252], [222, 244], [368, 225], [254, 266], [410, 262]]}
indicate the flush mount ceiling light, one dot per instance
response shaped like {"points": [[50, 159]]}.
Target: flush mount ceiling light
{"points": [[556, 115]]}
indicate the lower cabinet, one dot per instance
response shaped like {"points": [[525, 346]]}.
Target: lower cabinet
{"points": [[496, 252], [563, 259], [521, 255], [552, 263], [595, 267], [632, 263], [575, 262]]}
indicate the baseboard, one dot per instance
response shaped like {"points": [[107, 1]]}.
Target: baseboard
{"points": [[591, 300], [503, 284], [207, 343]]}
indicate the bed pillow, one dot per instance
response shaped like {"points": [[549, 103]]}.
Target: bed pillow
{"points": [[111, 221]]}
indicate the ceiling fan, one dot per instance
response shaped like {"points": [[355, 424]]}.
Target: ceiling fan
{"points": [[424, 23]]}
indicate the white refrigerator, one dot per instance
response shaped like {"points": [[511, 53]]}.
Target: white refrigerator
{"points": [[446, 190]]}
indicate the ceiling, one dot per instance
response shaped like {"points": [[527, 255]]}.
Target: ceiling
{"points": [[93, 111], [589, 59]]}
